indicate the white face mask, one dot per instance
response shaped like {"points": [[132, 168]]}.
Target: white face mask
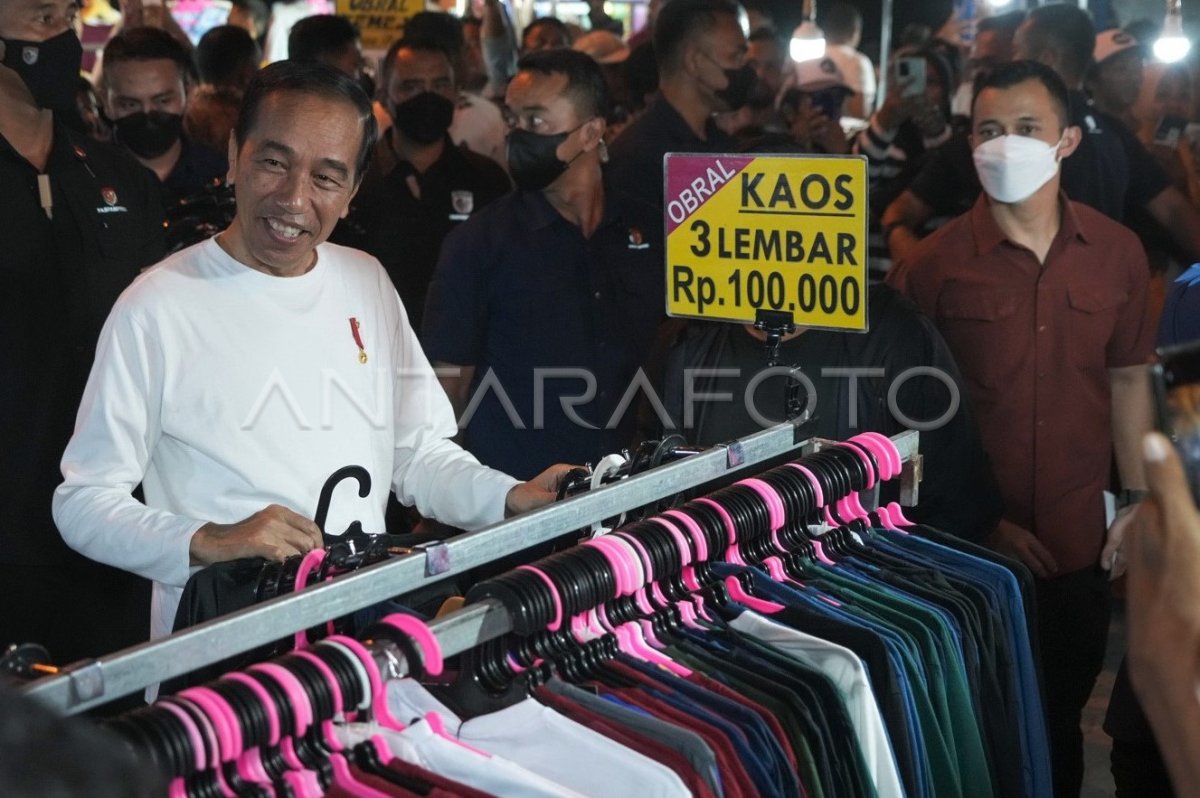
{"points": [[1012, 168]]}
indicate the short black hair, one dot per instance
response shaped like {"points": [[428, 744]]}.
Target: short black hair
{"points": [[585, 80], [321, 35], [1070, 31], [314, 78], [1014, 73], [446, 29], [223, 52], [546, 22], [840, 22], [641, 74], [148, 44], [1006, 24], [681, 22], [420, 44]]}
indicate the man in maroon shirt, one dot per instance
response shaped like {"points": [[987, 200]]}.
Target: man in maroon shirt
{"points": [[1041, 300]]}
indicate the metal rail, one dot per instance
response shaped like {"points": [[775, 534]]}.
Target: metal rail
{"points": [[90, 683]]}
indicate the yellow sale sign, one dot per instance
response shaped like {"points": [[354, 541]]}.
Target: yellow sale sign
{"points": [[777, 233], [380, 22]]}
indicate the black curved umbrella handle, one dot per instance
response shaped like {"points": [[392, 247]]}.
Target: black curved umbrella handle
{"points": [[337, 477]]}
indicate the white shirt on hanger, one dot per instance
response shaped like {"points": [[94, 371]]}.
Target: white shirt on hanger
{"points": [[550, 744], [419, 745], [849, 674]]}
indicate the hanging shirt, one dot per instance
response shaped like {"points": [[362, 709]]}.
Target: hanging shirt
{"points": [[419, 745], [848, 673], [543, 741]]}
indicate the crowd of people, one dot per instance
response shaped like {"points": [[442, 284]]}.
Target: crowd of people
{"points": [[484, 205]]}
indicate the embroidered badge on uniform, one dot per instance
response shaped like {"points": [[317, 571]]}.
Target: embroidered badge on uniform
{"points": [[462, 201], [636, 239], [109, 195]]}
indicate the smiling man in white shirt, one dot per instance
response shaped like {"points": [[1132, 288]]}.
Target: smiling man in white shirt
{"points": [[234, 377]]}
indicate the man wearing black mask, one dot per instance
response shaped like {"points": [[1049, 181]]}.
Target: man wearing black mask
{"points": [[144, 85], [701, 52], [543, 306], [80, 219], [420, 185]]}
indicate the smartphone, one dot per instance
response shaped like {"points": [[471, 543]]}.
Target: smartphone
{"points": [[1177, 396], [1169, 129], [911, 72]]}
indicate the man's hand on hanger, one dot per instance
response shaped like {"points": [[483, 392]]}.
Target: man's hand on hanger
{"points": [[274, 532], [537, 492]]}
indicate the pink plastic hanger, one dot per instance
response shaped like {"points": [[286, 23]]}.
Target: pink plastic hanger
{"points": [[424, 638], [556, 622], [228, 733], [250, 765], [738, 594], [311, 561], [359, 670], [885, 450], [818, 549], [208, 730], [193, 733]]}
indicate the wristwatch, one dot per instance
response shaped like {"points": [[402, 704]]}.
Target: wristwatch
{"points": [[1128, 498]]}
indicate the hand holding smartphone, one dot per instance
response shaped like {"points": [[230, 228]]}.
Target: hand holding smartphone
{"points": [[911, 74], [1177, 397]]}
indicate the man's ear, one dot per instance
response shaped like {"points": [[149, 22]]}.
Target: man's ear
{"points": [[594, 133], [353, 193], [1071, 138], [690, 59]]}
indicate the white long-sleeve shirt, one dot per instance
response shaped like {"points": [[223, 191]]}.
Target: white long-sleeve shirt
{"points": [[222, 389]]}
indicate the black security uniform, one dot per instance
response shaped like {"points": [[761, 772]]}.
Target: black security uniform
{"points": [[520, 292], [401, 216], [61, 269], [635, 163]]}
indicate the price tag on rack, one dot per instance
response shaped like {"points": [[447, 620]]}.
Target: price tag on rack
{"points": [[380, 22], [777, 233]]}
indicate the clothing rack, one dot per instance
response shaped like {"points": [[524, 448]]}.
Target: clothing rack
{"points": [[90, 683]]}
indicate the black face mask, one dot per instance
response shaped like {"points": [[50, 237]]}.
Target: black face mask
{"points": [[148, 135], [424, 118], [50, 69], [533, 158], [741, 84]]}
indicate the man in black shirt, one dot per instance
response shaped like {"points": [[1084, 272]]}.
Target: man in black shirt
{"points": [[542, 306], [1110, 170], [701, 53], [145, 91], [858, 383], [80, 219], [420, 184]]}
